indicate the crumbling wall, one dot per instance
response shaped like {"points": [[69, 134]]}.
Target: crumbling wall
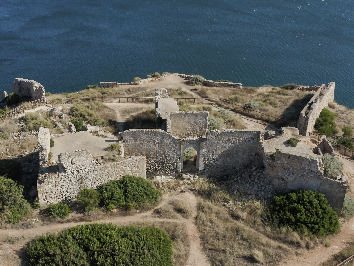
{"points": [[78, 170], [164, 104], [187, 124], [108, 84], [28, 89], [43, 146], [312, 110], [290, 172], [229, 150], [161, 149]]}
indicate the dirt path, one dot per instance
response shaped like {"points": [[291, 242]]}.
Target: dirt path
{"points": [[9, 251], [338, 242]]}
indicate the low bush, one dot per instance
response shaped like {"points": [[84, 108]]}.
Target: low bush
{"points": [[78, 123], [58, 210], [88, 199], [4, 110], [103, 244], [92, 112], [253, 105], [13, 206], [215, 123], [304, 211], [347, 132], [95, 86], [136, 79], [332, 166], [189, 154], [347, 142], [114, 148], [196, 80], [129, 192], [348, 207], [156, 75], [51, 142], [12, 99], [293, 142], [324, 123]]}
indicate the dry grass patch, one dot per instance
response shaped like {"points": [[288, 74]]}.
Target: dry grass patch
{"points": [[174, 209], [13, 148]]}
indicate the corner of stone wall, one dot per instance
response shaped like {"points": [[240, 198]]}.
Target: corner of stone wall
{"points": [[43, 146]]}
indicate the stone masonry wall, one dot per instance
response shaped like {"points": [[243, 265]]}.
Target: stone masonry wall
{"points": [[314, 107], [29, 89], [78, 170], [229, 150], [290, 172], [187, 124], [161, 149]]}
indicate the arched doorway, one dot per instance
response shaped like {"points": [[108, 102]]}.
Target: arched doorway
{"points": [[190, 157]]}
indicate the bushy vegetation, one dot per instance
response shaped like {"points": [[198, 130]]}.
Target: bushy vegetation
{"points": [[196, 80], [12, 99], [346, 142], [304, 211], [324, 123], [91, 112], [347, 132], [103, 244], [129, 192], [35, 120], [114, 148], [332, 166], [344, 254], [4, 110], [253, 105], [189, 154], [348, 207], [51, 142], [94, 86], [136, 79], [293, 142], [88, 199], [78, 123], [13, 206], [214, 123], [58, 210]]}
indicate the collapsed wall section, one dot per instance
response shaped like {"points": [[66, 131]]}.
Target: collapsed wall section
{"points": [[229, 150], [187, 124], [312, 110], [78, 170], [161, 149], [292, 172]]}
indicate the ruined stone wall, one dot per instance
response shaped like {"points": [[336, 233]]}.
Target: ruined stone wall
{"points": [[161, 149], [228, 151], [187, 124], [312, 110], [108, 84], [78, 170], [211, 83], [290, 172], [28, 89], [43, 146]]}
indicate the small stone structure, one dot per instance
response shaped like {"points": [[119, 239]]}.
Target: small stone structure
{"points": [[308, 116], [28, 89], [4, 95]]}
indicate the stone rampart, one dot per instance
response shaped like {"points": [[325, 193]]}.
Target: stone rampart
{"points": [[161, 149], [184, 125], [229, 150], [28, 89], [312, 110], [211, 83], [108, 84], [290, 172], [78, 170]]}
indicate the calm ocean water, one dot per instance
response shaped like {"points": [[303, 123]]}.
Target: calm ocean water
{"points": [[66, 45]]}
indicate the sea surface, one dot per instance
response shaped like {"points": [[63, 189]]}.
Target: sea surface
{"points": [[66, 45]]}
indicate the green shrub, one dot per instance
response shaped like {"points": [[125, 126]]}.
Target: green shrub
{"points": [[215, 123], [324, 123], [95, 86], [189, 154], [293, 142], [58, 210], [111, 195], [196, 80], [156, 75], [90, 112], [136, 79], [4, 110], [12, 99], [253, 105], [103, 244], [78, 123], [347, 142], [51, 142], [304, 211], [114, 148], [348, 207], [332, 166], [138, 191], [347, 132], [13, 207], [88, 199]]}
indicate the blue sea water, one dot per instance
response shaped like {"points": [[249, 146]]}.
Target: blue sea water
{"points": [[66, 45]]}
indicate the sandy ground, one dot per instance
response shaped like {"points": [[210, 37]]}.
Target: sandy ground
{"points": [[81, 140], [11, 250]]}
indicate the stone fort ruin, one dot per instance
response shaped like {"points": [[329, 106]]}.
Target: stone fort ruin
{"points": [[218, 153]]}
